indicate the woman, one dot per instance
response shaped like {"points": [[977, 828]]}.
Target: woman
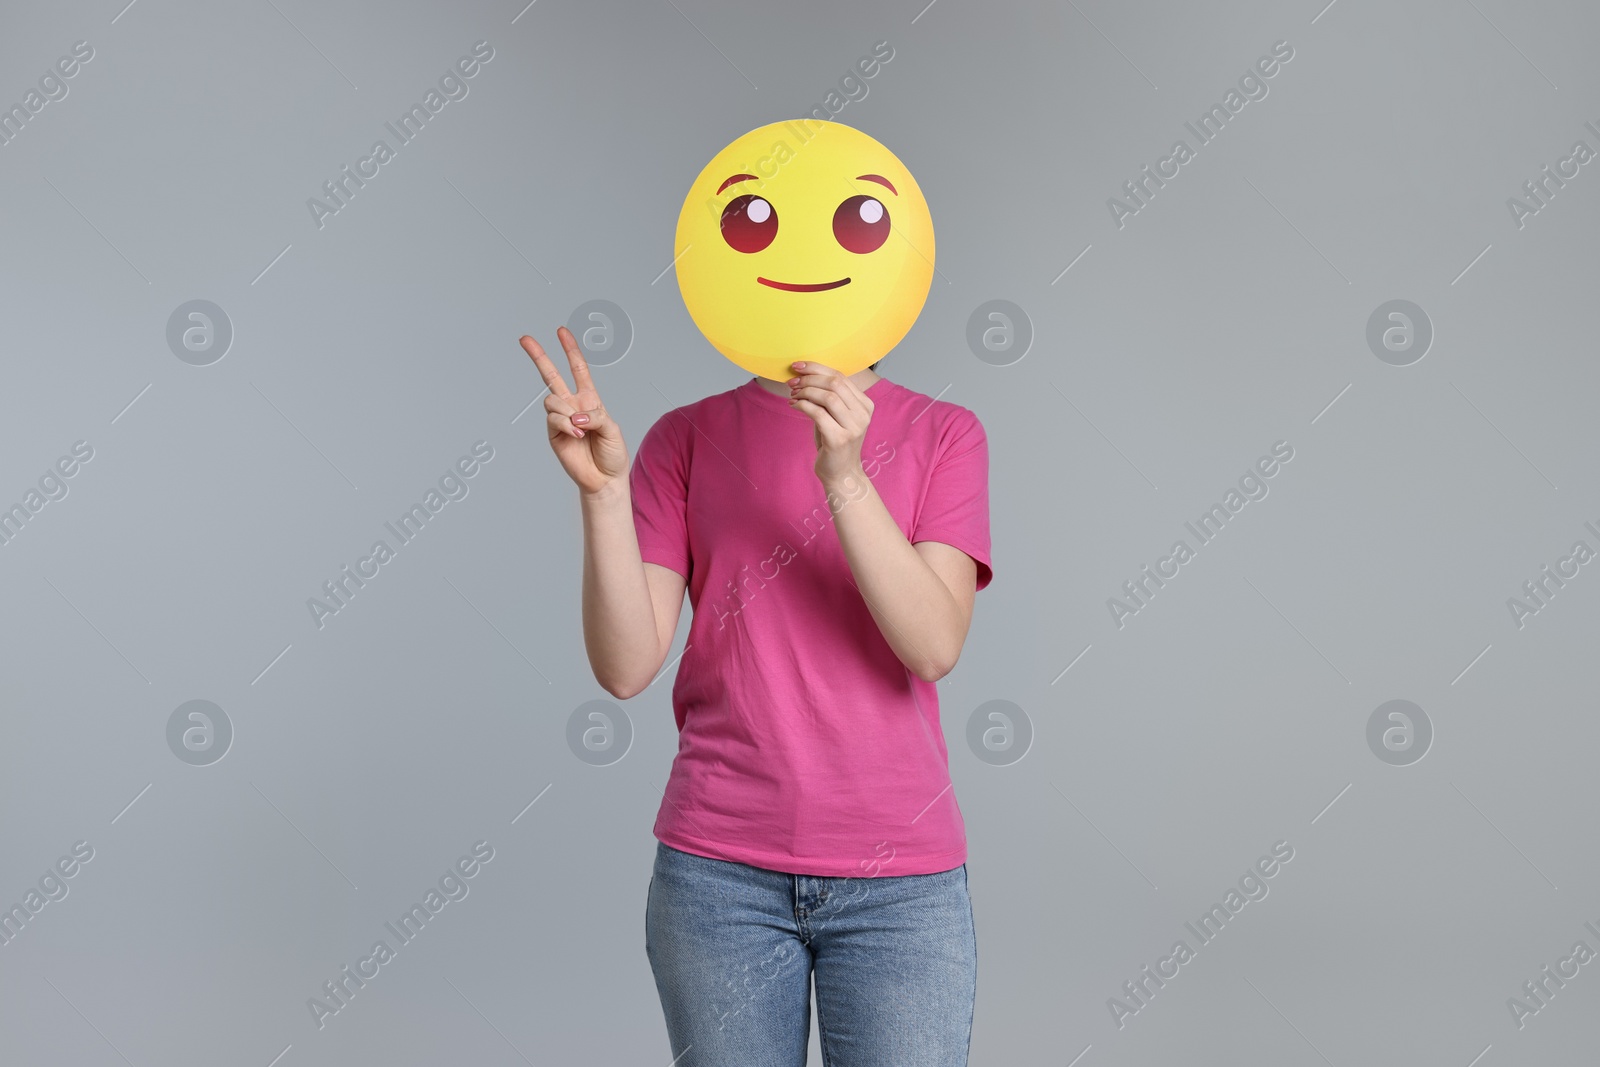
{"points": [[831, 532]]}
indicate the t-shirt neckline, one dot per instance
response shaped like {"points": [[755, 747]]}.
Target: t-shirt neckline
{"points": [[753, 391]]}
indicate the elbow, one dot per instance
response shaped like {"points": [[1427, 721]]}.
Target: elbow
{"points": [[623, 680], [622, 690], [940, 664], [616, 685], [625, 688], [935, 670]]}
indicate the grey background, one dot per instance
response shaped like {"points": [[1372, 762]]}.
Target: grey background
{"points": [[1230, 313]]}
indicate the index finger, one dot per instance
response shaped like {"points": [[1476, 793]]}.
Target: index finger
{"points": [[813, 367], [580, 366], [822, 370], [547, 367]]}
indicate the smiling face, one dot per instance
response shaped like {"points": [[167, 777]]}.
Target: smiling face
{"points": [[804, 240]]}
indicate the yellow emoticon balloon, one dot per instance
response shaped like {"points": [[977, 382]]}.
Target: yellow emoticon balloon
{"points": [[804, 240]]}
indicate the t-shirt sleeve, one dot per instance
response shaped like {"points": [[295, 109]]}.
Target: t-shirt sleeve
{"points": [[956, 507], [658, 482]]}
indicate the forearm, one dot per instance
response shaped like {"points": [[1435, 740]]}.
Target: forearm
{"points": [[911, 604], [619, 626]]}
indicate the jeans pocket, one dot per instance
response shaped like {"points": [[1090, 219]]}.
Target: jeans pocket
{"points": [[648, 894]]}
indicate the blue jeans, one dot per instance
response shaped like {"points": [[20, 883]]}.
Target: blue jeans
{"points": [[734, 949]]}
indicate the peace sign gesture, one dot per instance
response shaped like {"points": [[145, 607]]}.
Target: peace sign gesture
{"points": [[585, 439]]}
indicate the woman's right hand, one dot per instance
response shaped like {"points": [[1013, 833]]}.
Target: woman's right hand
{"points": [[585, 439]]}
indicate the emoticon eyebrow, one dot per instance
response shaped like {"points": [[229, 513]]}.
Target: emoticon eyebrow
{"points": [[735, 178]]}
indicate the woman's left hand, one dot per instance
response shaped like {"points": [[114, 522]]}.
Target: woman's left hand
{"points": [[841, 411]]}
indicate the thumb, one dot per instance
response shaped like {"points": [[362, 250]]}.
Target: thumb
{"points": [[594, 420]]}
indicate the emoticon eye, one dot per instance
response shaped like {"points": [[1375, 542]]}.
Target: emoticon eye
{"points": [[861, 224], [749, 223]]}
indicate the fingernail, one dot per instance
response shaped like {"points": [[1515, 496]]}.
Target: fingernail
{"points": [[799, 365], [580, 433], [580, 419]]}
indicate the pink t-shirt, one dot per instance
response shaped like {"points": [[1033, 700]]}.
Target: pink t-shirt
{"points": [[804, 744]]}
